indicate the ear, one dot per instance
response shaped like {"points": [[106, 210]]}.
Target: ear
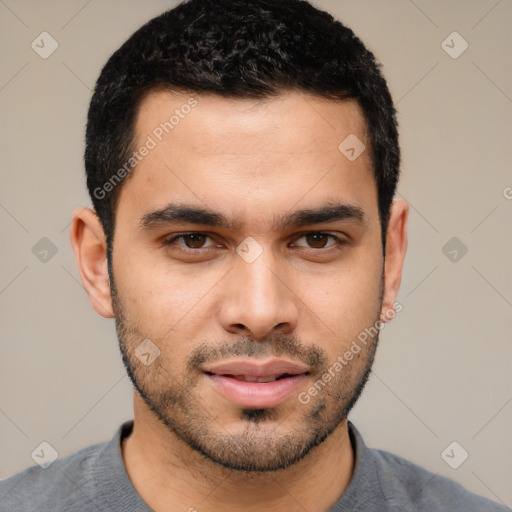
{"points": [[396, 247], [90, 247]]}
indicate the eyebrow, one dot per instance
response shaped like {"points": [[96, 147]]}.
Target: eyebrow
{"points": [[190, 214]]}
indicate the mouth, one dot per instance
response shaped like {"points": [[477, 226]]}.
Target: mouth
{"points": [[251, 385], [252, 378]]}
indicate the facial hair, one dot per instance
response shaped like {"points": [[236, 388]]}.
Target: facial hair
{"points": [[258, 444]]}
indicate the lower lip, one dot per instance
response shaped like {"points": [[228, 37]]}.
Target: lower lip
{"points": [[256, 395]]}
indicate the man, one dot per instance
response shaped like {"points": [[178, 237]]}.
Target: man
{"points": [[242, 157]]}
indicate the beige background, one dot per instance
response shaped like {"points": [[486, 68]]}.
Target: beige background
{"points": [[443, 367]]}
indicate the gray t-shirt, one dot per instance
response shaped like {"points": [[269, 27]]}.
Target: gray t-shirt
{"points": [[95, 479]]}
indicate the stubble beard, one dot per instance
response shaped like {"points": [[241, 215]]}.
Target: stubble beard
{"points": [[257, 444]]}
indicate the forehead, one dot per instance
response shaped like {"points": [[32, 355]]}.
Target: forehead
{"points": [[291, 121], [247, 155]]}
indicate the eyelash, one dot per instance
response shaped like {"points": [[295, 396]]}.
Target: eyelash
{"points": [[174, 238]]}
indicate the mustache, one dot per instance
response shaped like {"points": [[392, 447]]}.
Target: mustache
{"points": [[276, 345]]}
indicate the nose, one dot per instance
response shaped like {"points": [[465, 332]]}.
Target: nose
{"points": [[259, 299]]}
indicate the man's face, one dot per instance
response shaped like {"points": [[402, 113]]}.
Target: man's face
{"points": [[248, 313]]}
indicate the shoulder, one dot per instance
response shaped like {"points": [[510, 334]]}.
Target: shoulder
{"points": [[413, 488], [68, 482]]}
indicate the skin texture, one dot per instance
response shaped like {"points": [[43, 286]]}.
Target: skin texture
{"points": [[304, 298]]}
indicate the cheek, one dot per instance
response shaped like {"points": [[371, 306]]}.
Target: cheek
{"points": [[160, 297], [345, 304]]}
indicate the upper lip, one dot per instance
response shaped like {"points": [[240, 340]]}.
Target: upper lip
{"points": [[268, 368]]}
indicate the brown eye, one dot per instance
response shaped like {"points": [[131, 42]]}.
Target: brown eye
{"points": [[317, 240], [190, 241], [194, 240]]}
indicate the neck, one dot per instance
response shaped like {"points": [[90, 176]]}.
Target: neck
{"points": [[169, 475]]}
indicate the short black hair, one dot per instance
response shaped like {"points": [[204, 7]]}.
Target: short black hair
{"points": [[236, 49]]}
